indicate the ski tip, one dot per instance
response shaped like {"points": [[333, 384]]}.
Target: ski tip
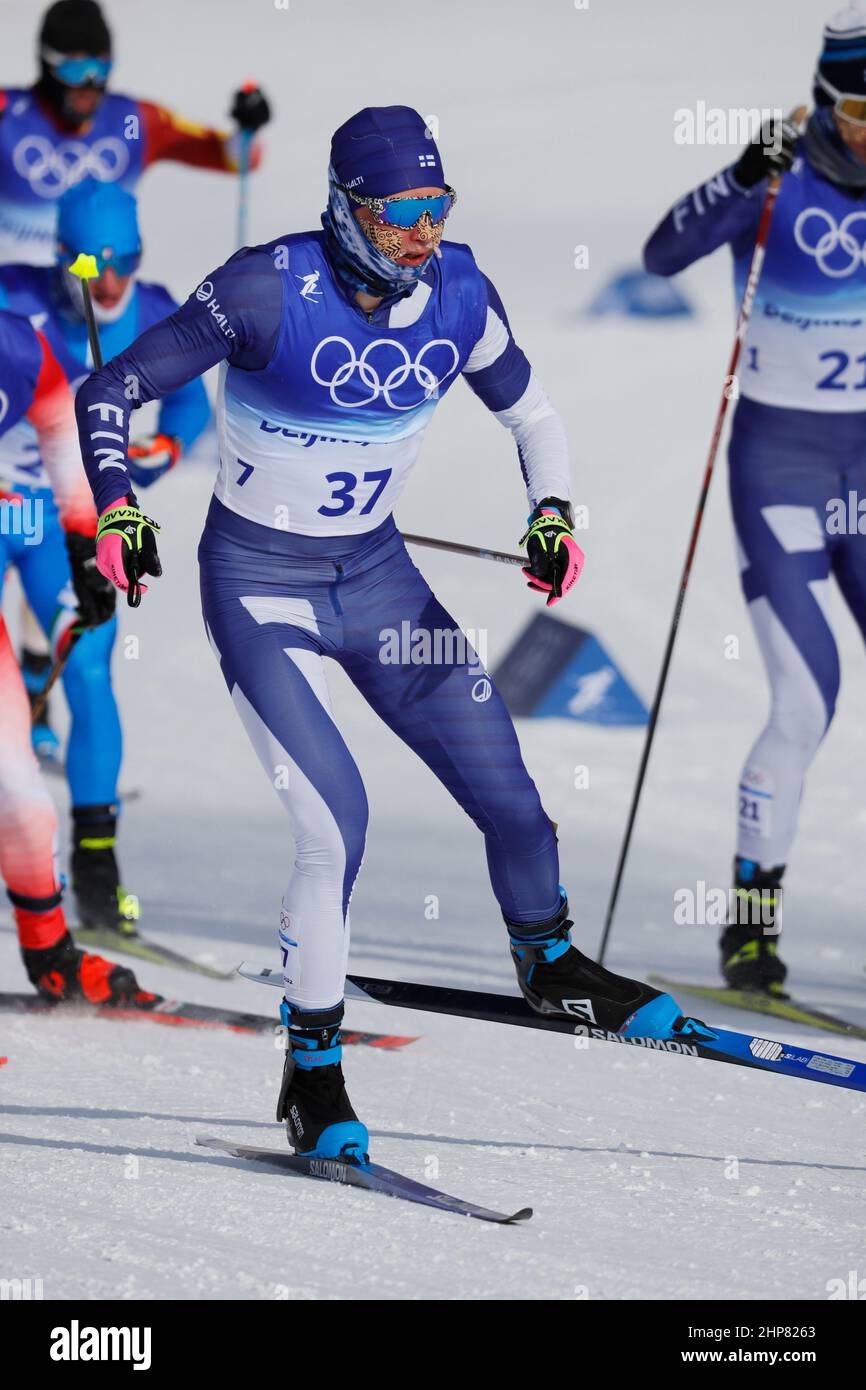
{"points": [[222, 1146], [522, 1215], [260, 975], [210, 1141]]}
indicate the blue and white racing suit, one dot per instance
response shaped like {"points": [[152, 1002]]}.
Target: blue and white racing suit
{"points": [[322, 411], [797, 457]]}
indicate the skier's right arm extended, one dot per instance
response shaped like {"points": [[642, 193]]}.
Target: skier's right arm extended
{"points": [[234, 315], [727, 208]]}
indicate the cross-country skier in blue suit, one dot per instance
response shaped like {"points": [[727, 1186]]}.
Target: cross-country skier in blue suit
{"points": [[335, 347], [797, 452], [99, 218]]}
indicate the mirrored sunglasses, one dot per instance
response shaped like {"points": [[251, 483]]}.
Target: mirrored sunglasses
{"points": [[77, 72], [406, 212]]}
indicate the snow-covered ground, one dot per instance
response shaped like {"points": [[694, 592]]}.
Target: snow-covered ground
{"points": [[556, 127]]}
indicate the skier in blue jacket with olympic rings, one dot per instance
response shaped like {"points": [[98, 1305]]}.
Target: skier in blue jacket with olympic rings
{"points": [[335, 347]]}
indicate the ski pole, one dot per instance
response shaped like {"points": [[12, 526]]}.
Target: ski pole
{"points": [[54, 675], [246, 141], [85, 268], [743, 317], [476, 552]]}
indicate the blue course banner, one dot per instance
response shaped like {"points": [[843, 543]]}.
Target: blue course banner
{"points": [[638, 294], [556, 670]]}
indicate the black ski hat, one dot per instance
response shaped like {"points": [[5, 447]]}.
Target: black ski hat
{"points": [[841, 63], [75, 26]]}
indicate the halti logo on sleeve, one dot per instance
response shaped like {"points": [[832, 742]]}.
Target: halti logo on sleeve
{"points": [[204, 293]]}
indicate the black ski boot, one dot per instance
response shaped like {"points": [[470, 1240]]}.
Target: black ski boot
{"points": [[64, 972], [320, 1121], [749, 943], [103, 905], [557, 979]]}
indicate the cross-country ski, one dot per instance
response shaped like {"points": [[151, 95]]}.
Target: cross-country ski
{"points": [[369, 1176], [177, 1013], [756, 1001], [687, 1037]]}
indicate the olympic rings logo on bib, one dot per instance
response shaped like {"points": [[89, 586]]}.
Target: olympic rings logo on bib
{"points": [[51, 169], [833, 238], [422, 374]]}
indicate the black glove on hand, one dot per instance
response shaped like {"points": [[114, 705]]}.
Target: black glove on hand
{"points": [[772, 154], [250, 108], [96, 595]]}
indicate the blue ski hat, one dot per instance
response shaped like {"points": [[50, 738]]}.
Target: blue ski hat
{"points": [[842, 63], [100, 219], [380, 151], [384, 150]]}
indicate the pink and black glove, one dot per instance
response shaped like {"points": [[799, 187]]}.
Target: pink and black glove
{"points": [[554, 556], [126, 548]]}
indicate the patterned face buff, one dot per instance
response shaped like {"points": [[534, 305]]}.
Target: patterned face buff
{"points": [[389, 240], [356, 257]]}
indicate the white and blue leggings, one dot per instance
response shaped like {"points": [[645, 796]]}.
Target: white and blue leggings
{"points": [[275, 604], [795, 477]]}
